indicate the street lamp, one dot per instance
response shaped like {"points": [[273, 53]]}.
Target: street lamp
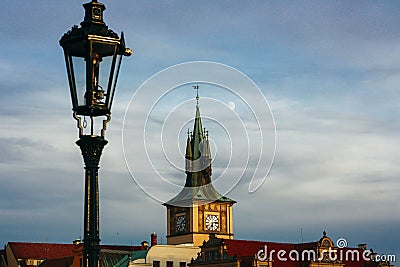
{"points": [[93, 55]]}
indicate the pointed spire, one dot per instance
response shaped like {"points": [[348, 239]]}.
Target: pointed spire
{"points": [[207, 146], [207, 157], [202, 144], [196, 87], [197, 135], [198, 186], [198, 156], [188, 146], [188, 156]]}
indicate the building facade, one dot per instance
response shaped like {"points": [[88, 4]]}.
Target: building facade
{"points": [[164, 256], [33, 254], [218, 252], [27, 254]]}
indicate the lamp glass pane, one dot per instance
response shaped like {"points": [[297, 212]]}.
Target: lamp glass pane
{"points": [[105, 69], [117, 65], [79, 65]]}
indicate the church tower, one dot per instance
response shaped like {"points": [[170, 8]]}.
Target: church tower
{"points": [[198, 210]]}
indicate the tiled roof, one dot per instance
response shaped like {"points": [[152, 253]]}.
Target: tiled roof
{"points": [[247, 248], [124, 262], [123, 249], [349, 262], [24, 250], [199, 195], [112, 256], [140, 254]]}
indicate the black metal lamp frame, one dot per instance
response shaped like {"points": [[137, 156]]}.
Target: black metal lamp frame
{"points": [[89, 47]]}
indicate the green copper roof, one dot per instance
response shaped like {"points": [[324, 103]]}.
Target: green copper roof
{"points": [[112, 258], [124, 262], [139, 254], [198, 186], [198, 195]]}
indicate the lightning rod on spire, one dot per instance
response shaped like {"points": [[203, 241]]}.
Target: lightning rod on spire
{"points": [[196, 87]]}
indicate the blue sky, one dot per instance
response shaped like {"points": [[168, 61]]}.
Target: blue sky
{"points": [[330, 71]]}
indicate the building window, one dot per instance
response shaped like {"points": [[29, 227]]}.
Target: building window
{"points": [[182, 264], [156, 263], [170, 264]]}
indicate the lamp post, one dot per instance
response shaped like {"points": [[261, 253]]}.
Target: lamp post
{"points": [[93, 55]]}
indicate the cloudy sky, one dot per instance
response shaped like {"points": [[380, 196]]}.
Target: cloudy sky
{"points": [[329, 70]]}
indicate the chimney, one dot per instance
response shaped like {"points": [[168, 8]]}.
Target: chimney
{"points": [[77, 242], [144, 244], [153, 238]]}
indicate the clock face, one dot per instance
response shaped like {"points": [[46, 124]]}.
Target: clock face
{"points": [[180, 223], [212, 222]]}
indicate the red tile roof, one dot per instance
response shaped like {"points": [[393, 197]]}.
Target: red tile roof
{"points": [[350, 262], [23, 250], [244, 249], [248, 248], [122, 248]]}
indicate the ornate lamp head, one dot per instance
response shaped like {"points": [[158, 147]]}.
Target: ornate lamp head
{"points": [[93, 55]]}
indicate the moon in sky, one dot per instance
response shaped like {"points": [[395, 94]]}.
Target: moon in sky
{"points": [[231, 105]]}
